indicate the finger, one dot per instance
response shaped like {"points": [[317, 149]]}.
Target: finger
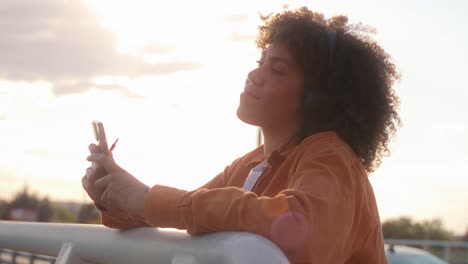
{"points": [[104, 161], [94, 166], [92, 194], [105, 198], [85, 182], [89, 188], [93, 148], [96, 172], [90, 171], [102, 183]]}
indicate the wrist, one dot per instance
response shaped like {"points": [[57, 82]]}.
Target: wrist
{"points": [[140, 208]]}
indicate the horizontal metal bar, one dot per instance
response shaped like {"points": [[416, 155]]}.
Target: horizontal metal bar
{"points": [[416, 242], [99, 244]]}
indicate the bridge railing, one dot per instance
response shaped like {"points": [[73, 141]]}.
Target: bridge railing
{"points": [[8, 256], [455, 252], [94, 244]]}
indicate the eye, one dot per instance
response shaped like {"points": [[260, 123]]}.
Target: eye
{"points": [[279, 67]]}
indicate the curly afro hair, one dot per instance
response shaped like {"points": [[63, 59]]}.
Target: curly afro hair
{"points": [[348, 83]]}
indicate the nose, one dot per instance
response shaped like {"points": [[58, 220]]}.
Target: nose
{"points": [[255, 77]]}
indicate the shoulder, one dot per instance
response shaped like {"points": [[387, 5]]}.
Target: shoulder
{"points": [[324, 145], [327, 140], [326, 153]]}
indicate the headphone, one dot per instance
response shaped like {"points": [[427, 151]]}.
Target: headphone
{"points": [[309, 96]]}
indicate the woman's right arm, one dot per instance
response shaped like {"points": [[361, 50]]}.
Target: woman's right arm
{"points": [[123, 220]]}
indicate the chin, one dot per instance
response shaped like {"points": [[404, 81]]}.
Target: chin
{"points": [[247, 117]]}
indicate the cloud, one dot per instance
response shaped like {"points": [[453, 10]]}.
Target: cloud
{"points": [[240, 28], [76, 86], [237, 19], [157, 49], [62, 42], [236, 36]]}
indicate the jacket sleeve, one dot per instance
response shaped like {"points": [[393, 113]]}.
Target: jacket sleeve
{"points": [[122, 220], [317, 202]]}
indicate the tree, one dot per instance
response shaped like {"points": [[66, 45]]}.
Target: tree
{"points": [[36, 209], [3, 205], [63, 215], [22, 200], [45, 211], [465, 237], [405, 228], [88, 214]]}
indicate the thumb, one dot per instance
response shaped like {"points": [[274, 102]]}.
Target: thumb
{"points": [[104, 161]]}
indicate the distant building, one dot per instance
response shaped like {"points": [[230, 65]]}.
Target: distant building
{"points": [[23, 214]]}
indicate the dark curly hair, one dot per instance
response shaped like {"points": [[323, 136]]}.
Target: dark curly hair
{"points": [[348, 83]]}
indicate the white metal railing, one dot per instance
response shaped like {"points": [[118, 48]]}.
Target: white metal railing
{"points": [[8, 256], [447, 246], [81, 244]]}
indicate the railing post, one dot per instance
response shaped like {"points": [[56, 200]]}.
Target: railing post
{"points": [[426, 245], [447, 255], [67, 255]]}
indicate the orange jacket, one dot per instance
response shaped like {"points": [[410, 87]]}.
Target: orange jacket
{"points": [[315, 203]]}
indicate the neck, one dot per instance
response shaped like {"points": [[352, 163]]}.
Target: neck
{"points": [[277, 138]]}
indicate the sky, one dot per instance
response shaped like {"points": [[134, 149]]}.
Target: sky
{"points": [[165, 77]]}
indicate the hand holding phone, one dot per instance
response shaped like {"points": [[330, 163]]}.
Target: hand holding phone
{"points": [[101, 139]]}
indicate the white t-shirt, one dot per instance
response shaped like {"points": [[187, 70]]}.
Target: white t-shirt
{"points": [[254, 174]]}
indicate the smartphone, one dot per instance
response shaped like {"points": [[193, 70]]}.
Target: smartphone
{"points": [[100, 136]]}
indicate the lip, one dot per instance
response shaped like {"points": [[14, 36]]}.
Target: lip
{"points": [[250, 93]]}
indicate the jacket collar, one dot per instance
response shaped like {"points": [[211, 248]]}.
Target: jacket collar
{"points": [[276, 157]]}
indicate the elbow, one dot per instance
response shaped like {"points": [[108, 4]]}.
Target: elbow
{"points": [[290, 229]]}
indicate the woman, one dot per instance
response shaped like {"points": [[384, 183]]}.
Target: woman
{"points": [[322, 94]]}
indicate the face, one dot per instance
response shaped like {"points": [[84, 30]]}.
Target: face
{"points": [[273, 91]]}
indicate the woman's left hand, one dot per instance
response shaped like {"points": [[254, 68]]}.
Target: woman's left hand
{"points": [[118, 190]]}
